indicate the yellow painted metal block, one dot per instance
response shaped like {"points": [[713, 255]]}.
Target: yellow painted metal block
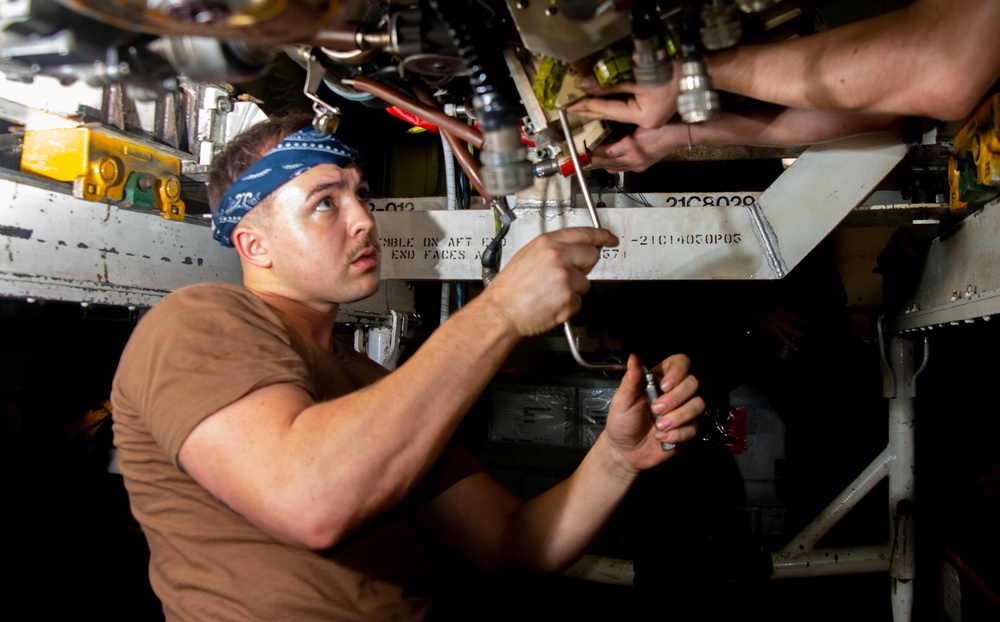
{"points": [[99, 163], [977, 147]]}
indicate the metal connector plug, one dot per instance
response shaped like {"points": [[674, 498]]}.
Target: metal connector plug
{"points": [[651, 65], [697, 101], [505, 166], [722, 24]]}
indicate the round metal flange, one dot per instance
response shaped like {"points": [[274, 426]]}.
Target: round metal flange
{"points": [[434, 65]]}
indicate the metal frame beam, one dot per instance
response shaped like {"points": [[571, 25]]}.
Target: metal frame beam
{"points": [[959, 280]]}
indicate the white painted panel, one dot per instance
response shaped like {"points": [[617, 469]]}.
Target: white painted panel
{"points": [[960, 278], [811, 197], [54, 246], [655, 243]]}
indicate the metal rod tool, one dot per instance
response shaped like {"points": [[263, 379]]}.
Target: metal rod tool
{"points": [[652, 387]]}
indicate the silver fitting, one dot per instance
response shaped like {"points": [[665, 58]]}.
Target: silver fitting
{"points": [[697, 101], [547, 168], [326, 119], [651, 65], [503, 213], [755, 6], [505, 166], [723, 25]]}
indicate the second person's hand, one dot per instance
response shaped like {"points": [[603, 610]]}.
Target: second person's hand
{"points": [[647, 107], [640, 149]]}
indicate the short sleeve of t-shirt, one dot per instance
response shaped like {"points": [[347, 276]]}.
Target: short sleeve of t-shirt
{"points": [[231, 344]]}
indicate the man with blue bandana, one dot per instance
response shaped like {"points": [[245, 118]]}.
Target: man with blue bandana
{"points": [[279, 475]]}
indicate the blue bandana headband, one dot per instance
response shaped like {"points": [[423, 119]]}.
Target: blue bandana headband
{"points": [[294, 155]]}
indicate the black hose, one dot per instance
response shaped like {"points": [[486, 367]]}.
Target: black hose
{"points": [[489, 79], [690, 31], [491, 256], [645, 19]]}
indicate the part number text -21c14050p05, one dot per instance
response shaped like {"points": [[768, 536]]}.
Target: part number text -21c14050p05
{"points": [[686, 238]]}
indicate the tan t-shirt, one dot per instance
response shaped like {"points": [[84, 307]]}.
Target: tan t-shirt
{"points": [[199, 349]]}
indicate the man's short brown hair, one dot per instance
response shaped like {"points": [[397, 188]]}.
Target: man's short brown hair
{"points": [[244, 150]]}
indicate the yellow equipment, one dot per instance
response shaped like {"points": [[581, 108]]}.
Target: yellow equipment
{"points": [[102, 165]]}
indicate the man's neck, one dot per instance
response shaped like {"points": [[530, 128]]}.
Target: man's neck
{"points": [[315, 322]]}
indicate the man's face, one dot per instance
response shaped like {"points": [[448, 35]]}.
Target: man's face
{"points": [[322, 238]]}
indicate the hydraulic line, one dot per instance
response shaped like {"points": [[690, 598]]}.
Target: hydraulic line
{"points": [[491, 256], [425, 111], [652, 389], [451, 189], [495, 107], [459, 150], [449, 174]]}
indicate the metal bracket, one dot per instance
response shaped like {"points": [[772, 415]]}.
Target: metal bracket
{"points": [[327, 117], [384, 342], [889, 381]]}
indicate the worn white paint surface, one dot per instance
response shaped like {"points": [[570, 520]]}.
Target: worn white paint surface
{"points": [[57, 247]]}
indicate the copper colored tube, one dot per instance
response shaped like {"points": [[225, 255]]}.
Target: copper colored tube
{"points": [[459, 150], [337, 39], [407, 103]]}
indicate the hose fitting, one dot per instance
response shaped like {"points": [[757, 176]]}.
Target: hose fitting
{"points": [[651, 63], [505, 165]]}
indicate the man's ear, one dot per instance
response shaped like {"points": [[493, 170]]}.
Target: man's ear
{"points": [[251, 246]]}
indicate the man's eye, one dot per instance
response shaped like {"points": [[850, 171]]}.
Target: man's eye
{"points": [[362, 195], [325, 204]]}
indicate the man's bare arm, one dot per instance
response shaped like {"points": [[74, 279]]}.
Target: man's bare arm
{"points": [[770, 127], [497, 531], [927, 59], [310, 474]]}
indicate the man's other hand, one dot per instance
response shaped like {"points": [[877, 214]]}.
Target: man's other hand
{"points": [[636, 430]]}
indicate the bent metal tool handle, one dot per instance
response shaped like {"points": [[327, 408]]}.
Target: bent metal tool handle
{"points": [[652, 387], [597, 224]]}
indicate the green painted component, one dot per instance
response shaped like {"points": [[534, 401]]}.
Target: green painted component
{"points": [[672, 39], [548, 81], [138, 191]]}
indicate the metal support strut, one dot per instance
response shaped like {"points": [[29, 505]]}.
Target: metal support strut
{"points": [[800, 558]]}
